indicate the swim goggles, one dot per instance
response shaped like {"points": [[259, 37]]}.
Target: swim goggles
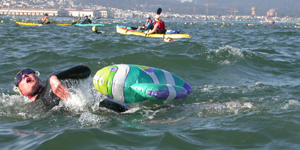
{"points": [[18, 77]]}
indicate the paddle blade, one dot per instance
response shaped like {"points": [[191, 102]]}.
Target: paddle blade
{"points": [[158, 11]]}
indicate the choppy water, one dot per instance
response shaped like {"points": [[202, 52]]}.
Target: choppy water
{"points": [[245, 83]]}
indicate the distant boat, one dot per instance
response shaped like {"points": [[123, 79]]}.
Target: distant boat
{"points": [[273, 22]]}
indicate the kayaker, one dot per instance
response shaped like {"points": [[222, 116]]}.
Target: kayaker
{"points": [[86, 20], [46, 19], [147, 25], [44, 98], [159, 26]]}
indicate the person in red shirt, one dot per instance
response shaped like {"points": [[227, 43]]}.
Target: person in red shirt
{"points": [[159, 26]]}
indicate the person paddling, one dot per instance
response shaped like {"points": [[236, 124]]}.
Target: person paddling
{"points": [[46, 19], [147, 25], [159, 26], [86, 20]]}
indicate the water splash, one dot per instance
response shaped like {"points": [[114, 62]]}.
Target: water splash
{"points": [[226, 55]]}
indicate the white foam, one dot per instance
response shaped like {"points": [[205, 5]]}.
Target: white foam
{"points": [[82, 97], [291, 103], [89, 119], [228, 55]]}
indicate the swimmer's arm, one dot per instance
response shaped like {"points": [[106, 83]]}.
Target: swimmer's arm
{"points": [[76, 72], [113, 105], [58, 89], [24, 133], [43, 19], [154, 29]]}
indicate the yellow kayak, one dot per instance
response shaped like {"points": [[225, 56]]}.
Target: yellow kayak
{"points": [[68, 24], [29, 23], [32, 23], [126, 31]]}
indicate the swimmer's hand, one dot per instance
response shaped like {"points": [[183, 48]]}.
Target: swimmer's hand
{"points": [[58, 89]]}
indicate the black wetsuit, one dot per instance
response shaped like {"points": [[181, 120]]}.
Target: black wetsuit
{"points": [[98, 32], [86, 21], [46, 100]]}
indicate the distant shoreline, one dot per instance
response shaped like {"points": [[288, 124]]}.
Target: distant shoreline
{"points": [[216, 19]]}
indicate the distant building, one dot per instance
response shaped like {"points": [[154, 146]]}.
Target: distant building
{"points": [[9, 11], [106, 14], [32, 12], [84, 12], [71, 3], [182, 1], [272, 13], [253, 11], [91, 13]]}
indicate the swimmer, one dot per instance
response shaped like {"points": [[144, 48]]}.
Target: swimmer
{"points": [[28, 83], [95, 30]]}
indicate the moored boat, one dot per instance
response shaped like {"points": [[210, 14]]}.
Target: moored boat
{"points": [[273, 22]]}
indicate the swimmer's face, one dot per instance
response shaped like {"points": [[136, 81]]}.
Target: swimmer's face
{"points": [[29, 84]]}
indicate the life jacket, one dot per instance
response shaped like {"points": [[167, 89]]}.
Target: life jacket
{"points": [[47, 19], [149, 24], [161, 25]]}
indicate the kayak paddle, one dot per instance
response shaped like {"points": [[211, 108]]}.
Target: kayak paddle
{"points": [[158, 11]]}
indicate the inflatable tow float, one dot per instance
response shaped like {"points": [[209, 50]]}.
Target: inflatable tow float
{"points": [[135, 83]]}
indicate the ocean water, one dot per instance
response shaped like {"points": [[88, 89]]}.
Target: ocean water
{"points": [[245, 82]]}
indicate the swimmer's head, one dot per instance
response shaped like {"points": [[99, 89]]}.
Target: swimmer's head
{"points": [[27, 82], [94, 28], [19, 75]]}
